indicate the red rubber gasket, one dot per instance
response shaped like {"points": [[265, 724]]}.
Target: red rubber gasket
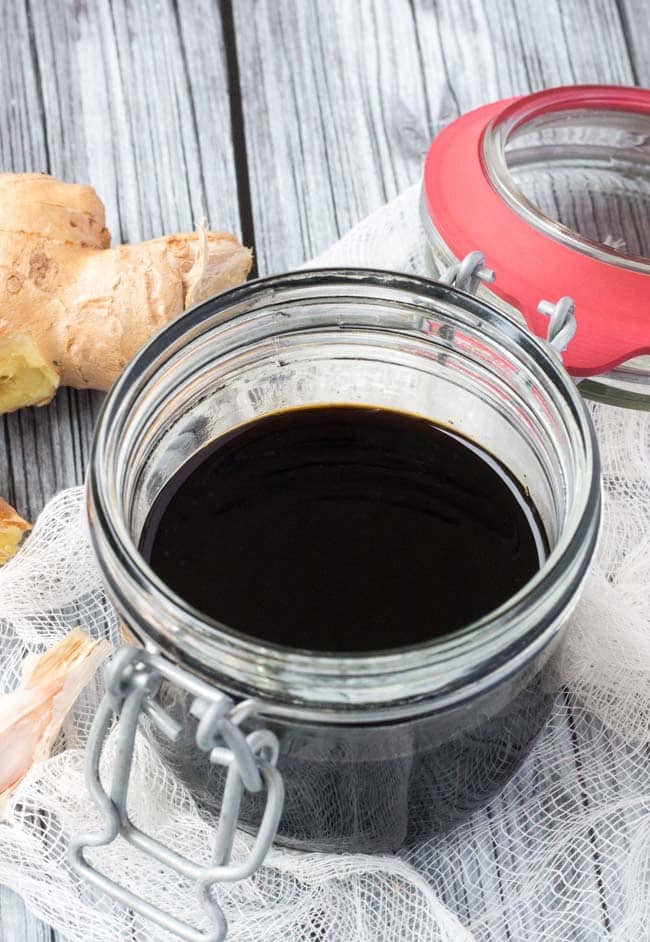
{"points": [[612, 304]]}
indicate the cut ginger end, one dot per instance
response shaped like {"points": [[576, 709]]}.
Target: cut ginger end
{"points": [[26, 379], [12, 530]]}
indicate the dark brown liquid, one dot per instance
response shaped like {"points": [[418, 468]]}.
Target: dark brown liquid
{"points": [[343, 529]]}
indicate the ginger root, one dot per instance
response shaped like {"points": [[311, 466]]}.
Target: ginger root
{"points": [[32, 715], [72, 310], [12, 530]]}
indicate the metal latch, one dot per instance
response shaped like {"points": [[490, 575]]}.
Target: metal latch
{"points": [[468, 273], [562, 322], [133, 684]]}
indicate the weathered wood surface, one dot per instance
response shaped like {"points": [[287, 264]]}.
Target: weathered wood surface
{"points": [[133, 98], [319, 112], [17, 924], [341, 99]]}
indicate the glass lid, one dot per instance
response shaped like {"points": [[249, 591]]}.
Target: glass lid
{"points": [[554, 189]]}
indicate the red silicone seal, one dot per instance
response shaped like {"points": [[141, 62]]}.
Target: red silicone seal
{"points": [[612, 303]]}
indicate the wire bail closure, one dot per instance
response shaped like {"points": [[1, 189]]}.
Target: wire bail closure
{"points": [[470, 271], [562, 322], [466, 274], [134, 680]]}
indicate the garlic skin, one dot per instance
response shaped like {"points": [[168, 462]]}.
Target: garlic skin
{"points": [[32, 715]]}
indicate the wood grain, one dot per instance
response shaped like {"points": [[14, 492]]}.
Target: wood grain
{"points": [[338, 102], [635, 17], [341, 100], [95, 93], [336, 117], [133, 98], [16, 922]]}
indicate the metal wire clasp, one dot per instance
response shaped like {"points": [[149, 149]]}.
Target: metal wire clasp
{"points": [[134, 680], [562, 322], [470, 271], [467, 273]]}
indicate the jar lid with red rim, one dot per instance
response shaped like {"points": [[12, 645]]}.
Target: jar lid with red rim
{"points": [[553, 189]]}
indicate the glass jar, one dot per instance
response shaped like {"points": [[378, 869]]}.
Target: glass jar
{"points": [[376, 750], [554, 189]]}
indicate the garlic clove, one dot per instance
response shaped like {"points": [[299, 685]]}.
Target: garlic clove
{"points": [[31, 716]]}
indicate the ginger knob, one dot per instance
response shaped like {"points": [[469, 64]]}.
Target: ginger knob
{"points": [[12, 530], [74, 311]]}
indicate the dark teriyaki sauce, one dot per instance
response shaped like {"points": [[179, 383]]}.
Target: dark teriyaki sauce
{"points": [[343, 529], [355, 529]]}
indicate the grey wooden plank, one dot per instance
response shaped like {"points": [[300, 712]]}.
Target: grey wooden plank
{"points": [[97, 94], [16, 922], [41, 450], [163, 159], [341, 100], [336, 117], [558, 44], [132, 97], [635, 17]]}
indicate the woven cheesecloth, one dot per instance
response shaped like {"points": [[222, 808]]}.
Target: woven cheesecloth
{"points": [[563, 853]]}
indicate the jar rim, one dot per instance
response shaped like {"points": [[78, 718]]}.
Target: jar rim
{"points": [[534, 255], [327, 684], [573, 103]]}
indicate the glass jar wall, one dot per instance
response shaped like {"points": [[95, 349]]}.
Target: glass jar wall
{"points": [[382, 749]]}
